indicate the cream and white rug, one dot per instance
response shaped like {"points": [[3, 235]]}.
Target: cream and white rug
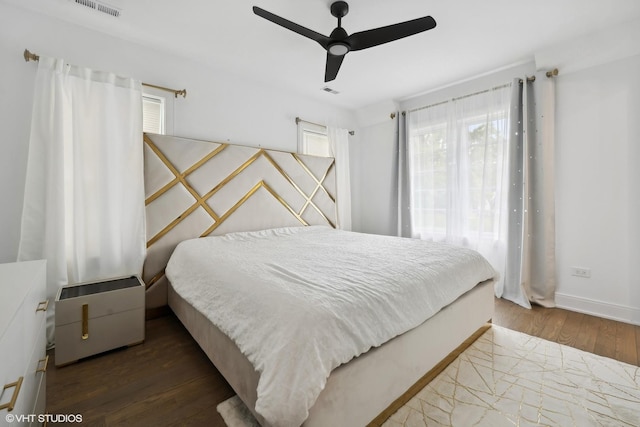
{"points": [[507, 378]]}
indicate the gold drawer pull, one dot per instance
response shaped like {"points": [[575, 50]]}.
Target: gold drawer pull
{"points": [[45, 363], [85, 321], [42, 306], [9, 406]]}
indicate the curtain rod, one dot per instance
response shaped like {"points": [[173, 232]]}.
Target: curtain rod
{"points": [[30, 56], [455, 99], [549, 74], [298, 120]]}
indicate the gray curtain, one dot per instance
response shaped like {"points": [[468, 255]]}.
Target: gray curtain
{"points": [[404, 198], [530, 274], [511, 287]]}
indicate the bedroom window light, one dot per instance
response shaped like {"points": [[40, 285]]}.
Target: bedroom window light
{"points": [[153, 114], [483, 150], [456, 164], [429, 180], [474, 174], [313, 140]]}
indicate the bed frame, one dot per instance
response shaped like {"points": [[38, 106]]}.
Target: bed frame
{"points": [[197, 188]]}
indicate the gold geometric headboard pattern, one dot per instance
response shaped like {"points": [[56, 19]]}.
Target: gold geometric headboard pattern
{"points": [[199, 188]]}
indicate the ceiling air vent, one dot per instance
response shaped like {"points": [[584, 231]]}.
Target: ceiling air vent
{"points": [[328, 89], [100, 7]]}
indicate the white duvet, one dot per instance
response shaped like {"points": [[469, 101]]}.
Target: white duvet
{"points": [[300, 301]]}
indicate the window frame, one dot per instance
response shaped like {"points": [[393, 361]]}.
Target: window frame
{"points": [[168, 102], [160, 101]]}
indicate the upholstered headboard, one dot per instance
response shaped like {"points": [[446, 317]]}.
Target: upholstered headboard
{"points": [[199, 188]]}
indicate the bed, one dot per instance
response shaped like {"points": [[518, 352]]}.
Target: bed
{"points": [[376, 357]]}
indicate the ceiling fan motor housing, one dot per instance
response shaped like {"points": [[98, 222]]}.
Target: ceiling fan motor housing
{"points": [[338, 46]]}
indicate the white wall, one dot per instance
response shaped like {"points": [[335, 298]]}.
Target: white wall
{"points": [[218, 106], [597, 175], [373, 176], [598, 188]]}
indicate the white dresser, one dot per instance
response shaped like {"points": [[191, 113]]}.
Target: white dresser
{"points": [[23, 360]]}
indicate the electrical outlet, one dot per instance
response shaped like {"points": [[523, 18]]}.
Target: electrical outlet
{"points": [[581, 272]]}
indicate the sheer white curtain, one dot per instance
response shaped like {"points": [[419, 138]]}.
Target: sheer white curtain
{"points": [[84, 195], [456, 173], [339, 149]]}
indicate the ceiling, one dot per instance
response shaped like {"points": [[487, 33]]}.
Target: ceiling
{"points": [[472, 37]]}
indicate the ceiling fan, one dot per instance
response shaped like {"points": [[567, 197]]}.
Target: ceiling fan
{"points": [[339, 43]]}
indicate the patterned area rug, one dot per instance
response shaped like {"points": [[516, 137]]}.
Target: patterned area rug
{"points": [[507, 378]]}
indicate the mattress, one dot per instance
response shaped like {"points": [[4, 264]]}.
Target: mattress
{"points": [[298, 302]]}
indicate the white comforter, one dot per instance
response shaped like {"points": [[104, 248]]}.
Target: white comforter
{"points": [[300, 301]]}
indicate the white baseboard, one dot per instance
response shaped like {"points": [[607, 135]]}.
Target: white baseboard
{"points": [[592, 307]]}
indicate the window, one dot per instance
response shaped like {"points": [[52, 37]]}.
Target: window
{"points": [[313, 140], [157, 111], [153, 114], [457, 158], [428, 175]]}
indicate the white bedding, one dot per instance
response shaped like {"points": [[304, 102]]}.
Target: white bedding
{"points": [[298, 302]]}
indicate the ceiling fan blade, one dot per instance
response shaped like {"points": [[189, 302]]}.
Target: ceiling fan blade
{"points": [[333, 65], [378, 36], [320, 38]]}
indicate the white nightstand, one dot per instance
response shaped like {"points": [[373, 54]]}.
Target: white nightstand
{"points": [[98, 316]]}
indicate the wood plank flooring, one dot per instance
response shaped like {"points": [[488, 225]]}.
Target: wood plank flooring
{"points": [[169, 381], [616, 340], [165, 381]]}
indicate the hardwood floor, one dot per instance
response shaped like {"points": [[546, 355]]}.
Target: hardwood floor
{"points": [[616, 340], [165, 381], [169, 381]]}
